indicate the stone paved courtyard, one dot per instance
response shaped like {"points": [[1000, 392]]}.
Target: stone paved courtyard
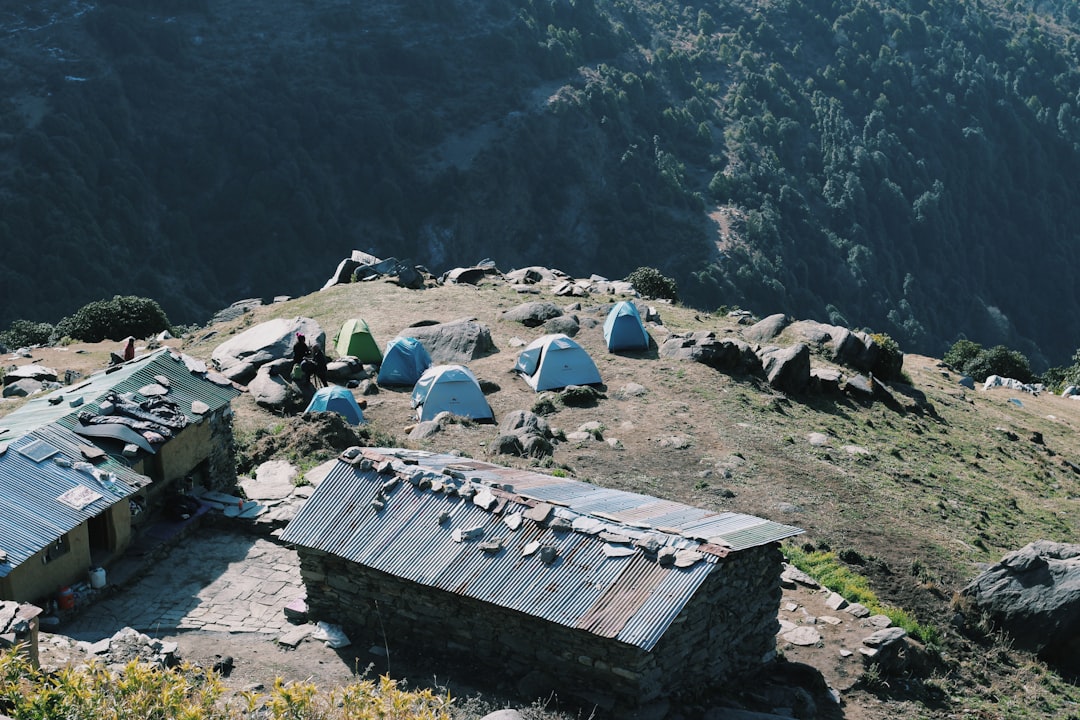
{"points": [[215, 580]]}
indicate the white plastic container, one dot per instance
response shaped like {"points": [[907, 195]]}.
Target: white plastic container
{"points": [[97, 578]]}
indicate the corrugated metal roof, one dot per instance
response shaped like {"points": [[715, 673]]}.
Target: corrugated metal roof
{"points": [[31, 516], [630, 598], [188, 381]]}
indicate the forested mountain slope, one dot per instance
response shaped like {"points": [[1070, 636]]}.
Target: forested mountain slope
{"points": [[908, 167]]}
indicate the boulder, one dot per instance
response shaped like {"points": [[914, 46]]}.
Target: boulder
{"points": [[276, 393], [566, 324], [240, 357], [537, 446], [347, 267], [30, 372], [787, 369], [1033, 594], [825, 380], [535, 274], [506, 445], [237, 309], [767, 328], [456, 342], [22, 388], [859, 386], [856, 350], [524, 422], [532, 314], [343, 370]]}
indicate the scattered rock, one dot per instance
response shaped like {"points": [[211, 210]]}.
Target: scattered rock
{"points": [[803, 635]]}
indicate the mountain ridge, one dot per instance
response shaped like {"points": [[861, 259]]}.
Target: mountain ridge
{"points": [[905, 169]]}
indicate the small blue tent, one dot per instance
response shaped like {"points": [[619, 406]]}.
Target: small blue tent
{"points": [[623, 329], [555, 361], [404, 361], [335, 398], [452, 388]]}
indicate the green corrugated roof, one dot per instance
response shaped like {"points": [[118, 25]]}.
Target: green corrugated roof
{"points": [[188, 381]]}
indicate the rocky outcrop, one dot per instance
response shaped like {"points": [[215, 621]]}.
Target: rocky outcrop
{"points": [[727, 354], [239, 358], [1033, 594]]}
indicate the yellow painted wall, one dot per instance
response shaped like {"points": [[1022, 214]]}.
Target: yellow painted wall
{"points": [[33, 580]]}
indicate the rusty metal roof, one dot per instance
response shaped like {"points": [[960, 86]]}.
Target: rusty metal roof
{"points": [[600, 582], [35, 471]]}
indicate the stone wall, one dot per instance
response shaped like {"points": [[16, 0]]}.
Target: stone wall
{"points": [[221, 461], [725, 632], [206, 451]]}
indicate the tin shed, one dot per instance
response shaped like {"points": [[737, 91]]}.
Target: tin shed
{"points": [[596, 588]]}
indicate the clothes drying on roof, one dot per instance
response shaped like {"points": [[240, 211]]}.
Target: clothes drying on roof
{"points": [[355, 340], [555, 361], [404, 361], [623, 329], [450, 388], [335, 398]]}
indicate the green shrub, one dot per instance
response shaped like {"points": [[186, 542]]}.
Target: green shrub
{"points": [[999, 360], [961, 353], [26, 332], [115, 319], [650, 283]]}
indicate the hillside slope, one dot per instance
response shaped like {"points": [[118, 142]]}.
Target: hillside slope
{"points": [[902, 166], [917, 494]]}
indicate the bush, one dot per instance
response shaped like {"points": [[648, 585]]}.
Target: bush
{"points": [[999, 360], [115, 319], [961, 353], [25, 332], [650, 283]]}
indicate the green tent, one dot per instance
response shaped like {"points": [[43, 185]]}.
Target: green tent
{"points": [[355, 339]]}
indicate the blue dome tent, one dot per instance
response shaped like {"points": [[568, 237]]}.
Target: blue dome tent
{"points": [[555, 361], [623, 329], [452, 388], [335, 398], [404, 361]]}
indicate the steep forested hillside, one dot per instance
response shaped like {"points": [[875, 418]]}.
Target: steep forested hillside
{"points": [[906, 166]]}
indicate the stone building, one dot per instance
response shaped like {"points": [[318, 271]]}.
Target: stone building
{"points": [[617, 597], [81, 466]]}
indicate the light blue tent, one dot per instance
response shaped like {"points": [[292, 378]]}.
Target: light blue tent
{"points": [[452, 388], [555, 361], [404, 361], [335, 398], [623, 329]]}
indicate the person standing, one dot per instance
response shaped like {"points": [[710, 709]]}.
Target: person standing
{"points": [[318, 358]]}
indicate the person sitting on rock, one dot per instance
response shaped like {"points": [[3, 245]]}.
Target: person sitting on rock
{"points": [[129, 349]]}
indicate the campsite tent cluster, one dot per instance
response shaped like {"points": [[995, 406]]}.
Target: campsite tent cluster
{"points": [[548, 363]]}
